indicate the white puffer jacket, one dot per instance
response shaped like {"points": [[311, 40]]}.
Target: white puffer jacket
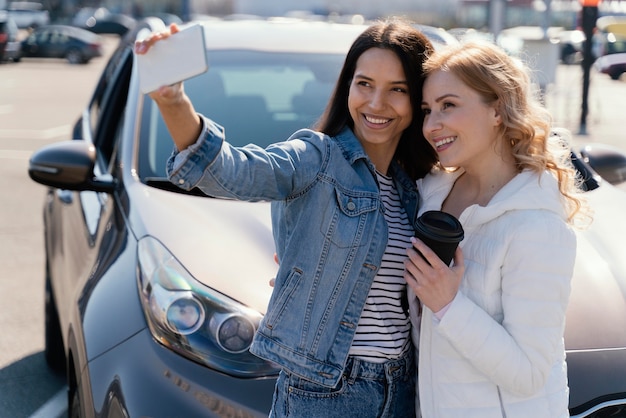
{"points": [[498, 351]]}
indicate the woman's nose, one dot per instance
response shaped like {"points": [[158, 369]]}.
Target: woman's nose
{"points": [[377, 99], [431, 123]]}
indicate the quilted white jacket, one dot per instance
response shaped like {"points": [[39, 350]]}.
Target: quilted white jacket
{"points": [[498, 351]]}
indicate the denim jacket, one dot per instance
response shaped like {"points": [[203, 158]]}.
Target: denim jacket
{"points": [[329, 229]]}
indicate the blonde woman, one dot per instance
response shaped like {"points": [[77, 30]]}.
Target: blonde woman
{"points": [[491, 326]]}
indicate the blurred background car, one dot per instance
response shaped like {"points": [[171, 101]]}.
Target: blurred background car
{"points": [[571, 46], [28, 14], [469, 34], [610, 36], [614, 65], [437, 35], [77, 46], [10, 46], [609, 46], [101, 21], [153, 293]]}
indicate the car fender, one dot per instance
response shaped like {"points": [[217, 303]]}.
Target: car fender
{"points": [[108, 304]]}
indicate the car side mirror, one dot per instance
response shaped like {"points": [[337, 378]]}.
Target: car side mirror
{"points": [[608, 161], [68, 165]]}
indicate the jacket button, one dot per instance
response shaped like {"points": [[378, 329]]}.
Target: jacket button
{"points": [[351, 205]]}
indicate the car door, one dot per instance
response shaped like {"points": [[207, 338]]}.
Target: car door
{"points": [[32, 46], [81, 219], [56, 44]]}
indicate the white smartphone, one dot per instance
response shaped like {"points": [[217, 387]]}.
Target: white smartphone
{"points": [[177, 58]]}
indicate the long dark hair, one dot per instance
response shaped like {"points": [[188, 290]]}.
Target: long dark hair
{"points": [[414, 154]]}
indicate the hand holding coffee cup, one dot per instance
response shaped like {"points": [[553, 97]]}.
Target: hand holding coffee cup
{"points": [[441, 232]]}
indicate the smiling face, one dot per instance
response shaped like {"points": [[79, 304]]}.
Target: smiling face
{"points": [[379, 104], [458, 124]]}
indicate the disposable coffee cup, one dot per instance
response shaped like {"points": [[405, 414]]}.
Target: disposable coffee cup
{"points": [[441, 231]]}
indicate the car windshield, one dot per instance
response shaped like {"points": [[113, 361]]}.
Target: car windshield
{"points": [[258, 97]]}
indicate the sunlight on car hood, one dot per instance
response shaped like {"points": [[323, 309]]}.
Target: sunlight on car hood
{"points": [[227, 245], [596, 316]]}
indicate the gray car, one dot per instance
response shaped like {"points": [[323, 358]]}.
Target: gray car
{"points": [[76, 45], [10, 45], [153, 294]]}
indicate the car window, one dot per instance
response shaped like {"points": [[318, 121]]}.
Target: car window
{"points": [[12, 28], [35, 37], [108, 76], [44, 36], [108, 103], [58, 37], [617, 45], [257, 97]]}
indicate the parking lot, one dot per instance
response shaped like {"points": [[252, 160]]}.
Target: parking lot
{"points": [[39, 101]]}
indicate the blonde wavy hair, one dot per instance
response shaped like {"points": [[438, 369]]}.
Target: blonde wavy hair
{"points": [[505, 82]]}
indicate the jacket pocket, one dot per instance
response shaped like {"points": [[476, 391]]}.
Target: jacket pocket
{"points": [[283, 299], [345, 221]]}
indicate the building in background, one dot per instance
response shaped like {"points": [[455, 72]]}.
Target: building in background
{"points": [[443, 13]]}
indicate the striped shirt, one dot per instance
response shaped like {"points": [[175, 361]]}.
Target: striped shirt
{"points": [[384, 328]]}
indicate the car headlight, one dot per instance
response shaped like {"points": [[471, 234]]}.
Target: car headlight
{"points": [[194, 320]]}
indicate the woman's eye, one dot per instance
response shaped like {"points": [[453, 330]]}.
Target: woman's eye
{"points": [[426, 111]]}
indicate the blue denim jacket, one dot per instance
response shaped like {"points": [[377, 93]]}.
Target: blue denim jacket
{"points": [[329, 230]]}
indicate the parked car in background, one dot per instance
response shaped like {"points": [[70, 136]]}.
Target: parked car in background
{"points": [[28, 14], [438, 35], [609, 46], [571, 46], [614, 65], [10, 46], [101, 21], [77, 45], [470, 34], [153, 293], [610, 36]]}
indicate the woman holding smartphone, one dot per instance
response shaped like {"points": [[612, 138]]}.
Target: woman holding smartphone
{"points": [[343, 213]]}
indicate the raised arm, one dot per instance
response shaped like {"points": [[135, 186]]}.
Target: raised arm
{"points": [[181, 119]]}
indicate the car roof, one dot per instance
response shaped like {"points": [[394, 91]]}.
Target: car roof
{"points": [[438, 36], [71, 30], [285, 35], [25, 5], [614, 24]]}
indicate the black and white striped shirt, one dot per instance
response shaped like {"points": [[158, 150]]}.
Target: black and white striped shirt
{"points": [[384, 329]]}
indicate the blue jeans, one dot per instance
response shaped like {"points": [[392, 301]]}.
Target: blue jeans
{"points": [[366, 390]]}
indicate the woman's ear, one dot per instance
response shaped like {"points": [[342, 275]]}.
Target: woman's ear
{"points": [[497, 114]]}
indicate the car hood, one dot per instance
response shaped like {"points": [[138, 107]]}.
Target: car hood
{"points": [[596, 316], [225, 244], [228, 246]]}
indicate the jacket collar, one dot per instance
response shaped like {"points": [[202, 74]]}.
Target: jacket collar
{"points": [[353, 151], [350, 146]]}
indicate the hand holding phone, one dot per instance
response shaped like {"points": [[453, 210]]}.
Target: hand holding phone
{"points": [[176, 58]]}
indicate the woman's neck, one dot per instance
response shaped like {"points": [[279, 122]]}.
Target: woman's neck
{"points": [[477, 186]]}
